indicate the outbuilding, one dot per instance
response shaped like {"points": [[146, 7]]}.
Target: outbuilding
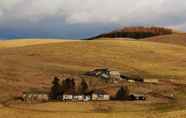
{"points": [[152, 81], [136, 97], [78, 98], [105, 73], [67, 97], [99, 95]]}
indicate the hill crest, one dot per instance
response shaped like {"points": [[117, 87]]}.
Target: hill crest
{"points": [[135, 32]]}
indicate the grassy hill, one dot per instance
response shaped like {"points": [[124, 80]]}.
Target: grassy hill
{"points": [[179, 38], [33, 66], [26, 42]]}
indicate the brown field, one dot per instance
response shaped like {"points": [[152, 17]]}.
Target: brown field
{"points": [[26, 42], [30, 66], [179, 39], [90, 110], [27, 65]]}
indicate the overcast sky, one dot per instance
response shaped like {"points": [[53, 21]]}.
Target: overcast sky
{"points": [[84, 18]]}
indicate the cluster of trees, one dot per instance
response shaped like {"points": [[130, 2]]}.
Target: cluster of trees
{"points": [[67, 86], [137, 32], [153, 30]]}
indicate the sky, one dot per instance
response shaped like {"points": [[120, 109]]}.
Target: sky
{"points": [[74, 19]]}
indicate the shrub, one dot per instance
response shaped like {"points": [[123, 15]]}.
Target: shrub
{"points": [[122, 93]]}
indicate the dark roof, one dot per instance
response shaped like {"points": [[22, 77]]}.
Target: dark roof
{"points": [[102, 69], [136, 95]]}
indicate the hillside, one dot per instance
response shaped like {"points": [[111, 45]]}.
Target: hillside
{"points": [[22, 68], [73, 110], [179, 39], [26, 42]]}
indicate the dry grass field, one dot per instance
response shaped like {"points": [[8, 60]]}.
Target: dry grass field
{"points": [[30, 66], [26, 42], [177, 38], [33, 64], [78, 110]]}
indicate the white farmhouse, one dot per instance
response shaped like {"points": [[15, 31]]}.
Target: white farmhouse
{"points": [[100, 96], [78, 97], [67, 97]]}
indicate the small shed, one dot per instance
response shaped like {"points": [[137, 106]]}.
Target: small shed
{"points": [[131, 81], [135, 96], [152, 81], [115, 75], [100, 95], [105, 73], [97, 72], [67, 97], [78, 98]]}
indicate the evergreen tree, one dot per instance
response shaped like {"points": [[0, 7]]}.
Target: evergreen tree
{"points": [[68, 85], [122, 93], [83, 88], [56, 89]]}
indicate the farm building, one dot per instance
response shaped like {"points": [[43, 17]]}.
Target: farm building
{"points": [[97, 95], [67, 97], [87, 98], [115, 75], [78, 97], [100, 96], [136, 97], [105, 73], [35, 96], [153, 81], [131, 81], [97, 72]]}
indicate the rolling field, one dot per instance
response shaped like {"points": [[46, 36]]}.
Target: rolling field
{"points": [[26, 65], [178, 39], [26, 42], [78, 110], [30, 66]]}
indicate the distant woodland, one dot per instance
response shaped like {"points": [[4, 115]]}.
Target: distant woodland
{"points": [[135, 32]]}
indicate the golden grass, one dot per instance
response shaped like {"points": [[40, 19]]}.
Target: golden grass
{"points": [[27, 42], [176, 39], [33, 66], [25, 65], [72, 110]]}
